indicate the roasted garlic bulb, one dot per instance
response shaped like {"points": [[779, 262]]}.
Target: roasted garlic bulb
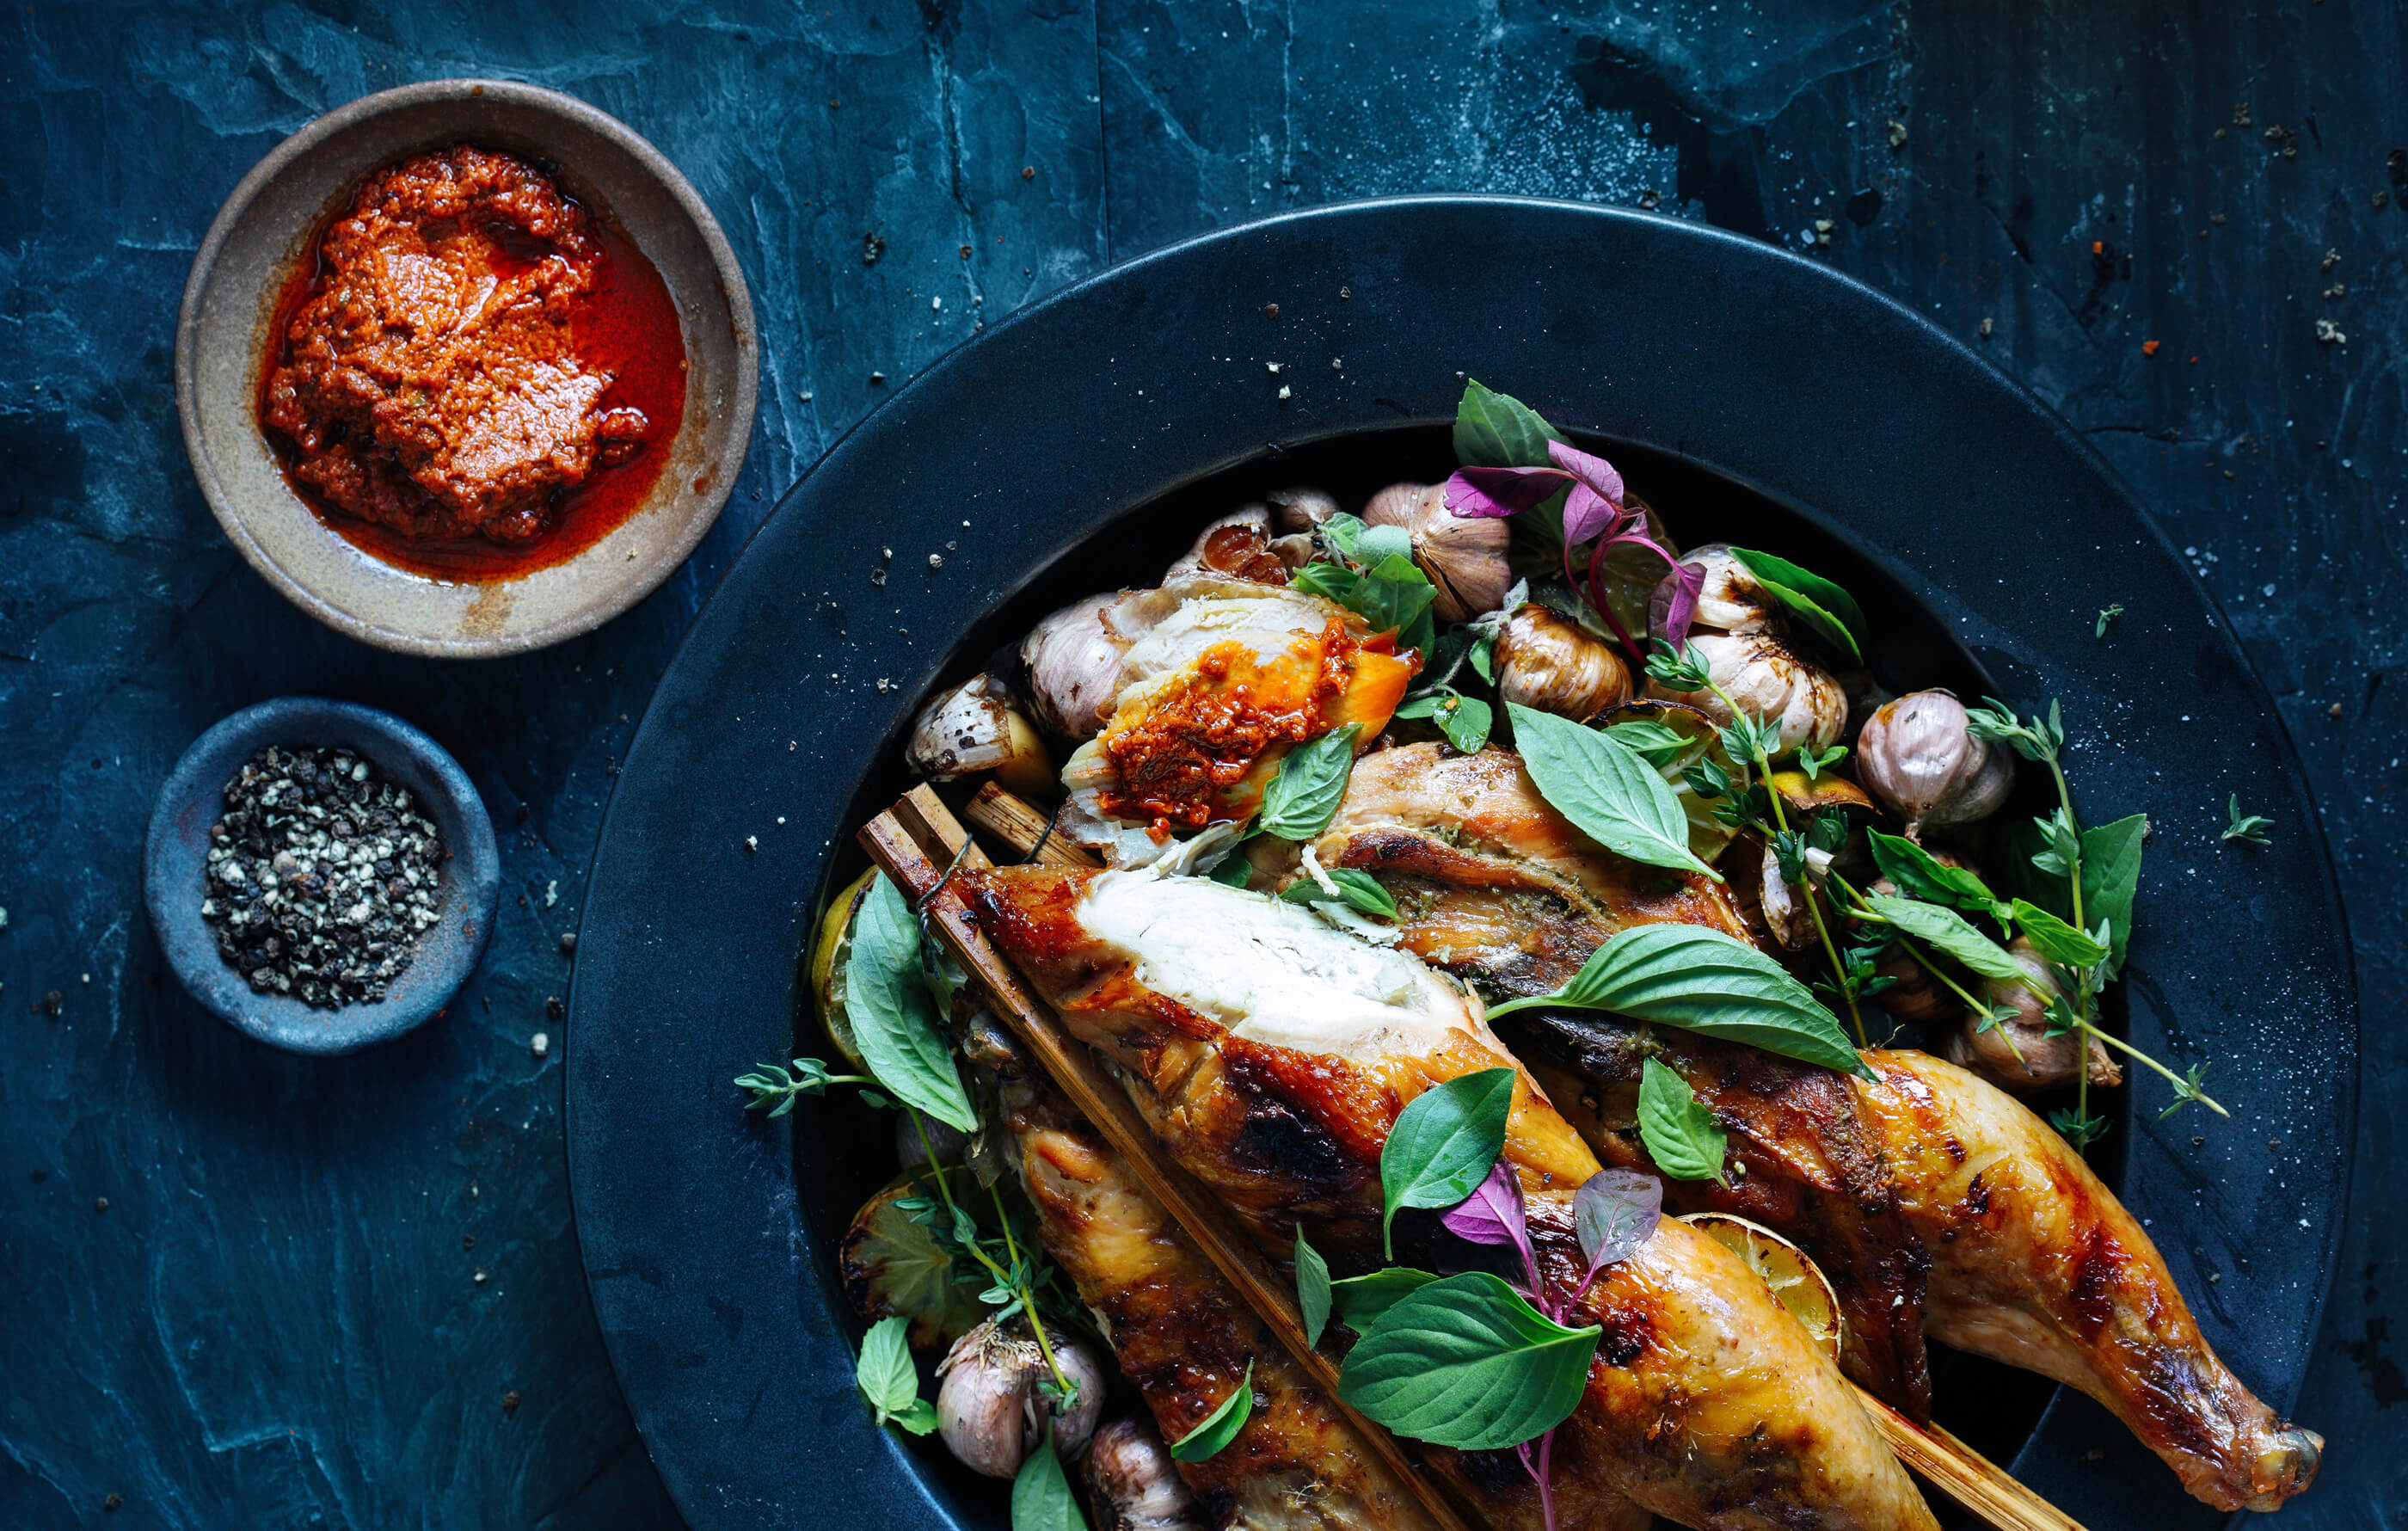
{"points": [[992, 1408], [1545, 660], [1918, 757], [2020, 1054], [977, 726], [1463, 556], [1238, 546], [1133, 1484], [1744, 639]]}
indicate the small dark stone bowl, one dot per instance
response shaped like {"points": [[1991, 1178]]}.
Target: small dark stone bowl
{"points": [[194, 798]]}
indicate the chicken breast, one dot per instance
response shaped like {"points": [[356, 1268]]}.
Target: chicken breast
{"points": [[1271, 1054]]}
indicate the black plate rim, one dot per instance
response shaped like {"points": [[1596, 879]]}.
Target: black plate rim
{"points": [[712, 1483]]}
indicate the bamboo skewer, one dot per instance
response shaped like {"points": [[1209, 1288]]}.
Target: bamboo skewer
{"points": [[914, 843], [1966, 1476]]}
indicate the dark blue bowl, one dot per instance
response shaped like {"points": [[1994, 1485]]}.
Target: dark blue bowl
{"points": [[194, 798]]}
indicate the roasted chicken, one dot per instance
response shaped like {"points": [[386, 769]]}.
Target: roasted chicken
{"points": [[1272, 1052], [2030, 1259]]}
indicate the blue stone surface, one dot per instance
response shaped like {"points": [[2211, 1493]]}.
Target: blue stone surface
{"points": [[240, 1288]]}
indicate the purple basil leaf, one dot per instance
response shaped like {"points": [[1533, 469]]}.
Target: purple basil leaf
{"points": [[1586, 514], [1613, 1214], [1500, 491], [1493, 1215], [1596, 472], [1674, 604]]}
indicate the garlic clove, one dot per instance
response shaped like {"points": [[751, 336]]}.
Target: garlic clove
{"points": [[992, 1409], [1073, 657], [1785, 914], [1918, 757], [1133, 1485], [977, 727], [1545, 660], [1770, 682], [1463, 556], [1237, 546]]}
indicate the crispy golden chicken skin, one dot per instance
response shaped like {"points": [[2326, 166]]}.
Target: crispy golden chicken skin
{"points": [[1271, 1054]]}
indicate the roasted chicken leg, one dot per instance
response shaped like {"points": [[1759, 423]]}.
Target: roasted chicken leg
{"points": [[1272, 1054], [2031, 1260]]}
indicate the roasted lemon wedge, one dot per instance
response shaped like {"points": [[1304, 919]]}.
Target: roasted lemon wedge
{"points": [[1801, 1289]]}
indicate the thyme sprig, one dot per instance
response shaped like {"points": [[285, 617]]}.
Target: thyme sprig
{"points": [[2248, 828]]}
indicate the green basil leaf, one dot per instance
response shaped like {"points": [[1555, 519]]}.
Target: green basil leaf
{"points": [[1826, 607], [1330, 581], [1445, 1143], [1041, 1499], [1395, 596], [1679, 1131], [1484, 656], [894, 1019], [920, 1419], [1356, 890], [885, 1375], [1916, 873], [1418, 707], [1234, 870], [1650, 742], [1221, 1426], [1705, 981], [1498, 430], [2019, 877], [1341, 530], [1605, 789], [1311, 1289], [1951, 933], [1361, 1300], [1466, 1363], [1312, 781], [1466, 724], [2057, 940], [2111, 878], [1378, 544]]}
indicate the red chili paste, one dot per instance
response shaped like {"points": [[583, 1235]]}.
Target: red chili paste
{"points": [[474, 378]]}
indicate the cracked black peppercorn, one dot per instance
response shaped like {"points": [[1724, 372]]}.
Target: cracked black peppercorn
{"points": [[322, 876]]}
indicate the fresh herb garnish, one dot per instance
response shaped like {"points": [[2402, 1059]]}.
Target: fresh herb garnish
{"points": [[1650, 740], [1361, 1300], [1444, 1144], [1041, 1499], [1311, 1289], [1465, 721], [1830, 612], [1677, 1128], [1498, 430], [1466, 1362], [1494, 1214], [1916, 873], [1221, 1426], [1702, 980], [2248, 827], [1614, 1214], [1607, 790], [1816, 762], [2106, 614], [2068, 945], [893, 1017], [771, 1081], [888, 1380], [1951, 932], [1312, 781], [1356, 890]]}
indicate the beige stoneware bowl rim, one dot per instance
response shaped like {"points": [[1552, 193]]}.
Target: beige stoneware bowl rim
{"points": [[613, 597]]}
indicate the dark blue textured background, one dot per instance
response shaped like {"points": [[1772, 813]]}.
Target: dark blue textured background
{"points": [[276, 1319]]}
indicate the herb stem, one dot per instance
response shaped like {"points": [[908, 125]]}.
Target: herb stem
{"points": [[2082, 981], [1028, 1298], [1002, 1276], [2185, 1088]]}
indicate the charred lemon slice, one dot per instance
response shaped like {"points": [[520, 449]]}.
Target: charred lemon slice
{"points": [[828, 953], [891, 1265], [1798, 1285]]}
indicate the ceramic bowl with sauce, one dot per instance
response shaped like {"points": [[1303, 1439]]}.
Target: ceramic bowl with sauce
{"points": [[666, 317]]}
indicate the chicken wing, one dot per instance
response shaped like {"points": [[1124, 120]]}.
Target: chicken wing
{"points": [[1271, 1054]]}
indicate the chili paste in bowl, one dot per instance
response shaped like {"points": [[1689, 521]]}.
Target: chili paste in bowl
{"points": [[466, 360], [465, 367]]}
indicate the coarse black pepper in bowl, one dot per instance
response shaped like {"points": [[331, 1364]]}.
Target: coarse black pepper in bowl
{"points": [[319, 874]]}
